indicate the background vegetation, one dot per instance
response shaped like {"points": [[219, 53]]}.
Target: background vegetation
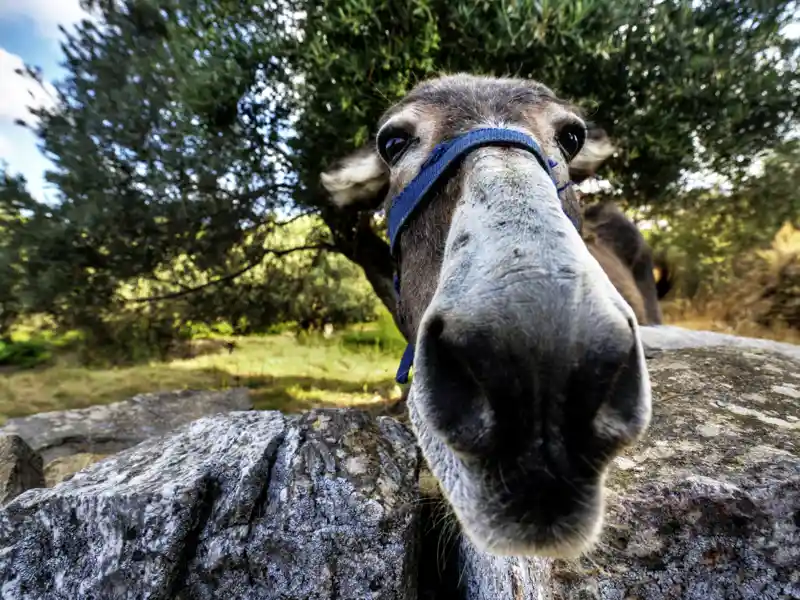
{"points": [[188, 139]]}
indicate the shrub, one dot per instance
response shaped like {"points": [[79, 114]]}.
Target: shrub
{"points": [[24, 354], [776, 298]]}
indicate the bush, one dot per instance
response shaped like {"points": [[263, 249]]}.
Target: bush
{"points": [[775, 289], [24, 354], [762, 290], [130, 335]]}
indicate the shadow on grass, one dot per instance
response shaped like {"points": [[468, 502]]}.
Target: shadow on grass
{"points": [[66, 389], [296, 393]]}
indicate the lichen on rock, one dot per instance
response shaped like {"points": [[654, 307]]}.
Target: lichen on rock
{"points": [[706, 506]]}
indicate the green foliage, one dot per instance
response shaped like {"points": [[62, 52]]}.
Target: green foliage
{"points": [[15, 201], [655, 75], [712, 230], [24, 354], [309, 287]]}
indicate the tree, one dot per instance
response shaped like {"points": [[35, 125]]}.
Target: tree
{"points": [[185, 128], [14, 202]]}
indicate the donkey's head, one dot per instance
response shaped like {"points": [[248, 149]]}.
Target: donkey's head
{"points": [[529, 370]]}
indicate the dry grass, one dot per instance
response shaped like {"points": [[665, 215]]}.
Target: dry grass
{"points": [[759, 303], [706, 320], [281, 371]]}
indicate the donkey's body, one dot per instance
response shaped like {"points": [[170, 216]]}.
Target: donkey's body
{"points": [[619, 247], [529, 373]]}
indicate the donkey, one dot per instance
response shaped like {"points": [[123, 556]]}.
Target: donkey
{"points": [[529, 368], [620, 248]]}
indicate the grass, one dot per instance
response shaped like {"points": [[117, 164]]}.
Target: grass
{"points": [[282, 372], [705, 316]]}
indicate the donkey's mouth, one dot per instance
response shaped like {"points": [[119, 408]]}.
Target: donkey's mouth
{"points": [[519, 447], [514, 507]]}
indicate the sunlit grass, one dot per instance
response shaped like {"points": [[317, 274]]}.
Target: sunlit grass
{"points": [[354, 367], [281, 371]]}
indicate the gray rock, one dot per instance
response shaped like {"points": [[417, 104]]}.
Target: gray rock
{"points": [[668, 337], [109, 428], [20, 468], [707, 506], [245, 505], [485, 577]]}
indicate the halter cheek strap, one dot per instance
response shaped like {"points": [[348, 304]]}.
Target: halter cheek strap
{"points": [[437, 169]]}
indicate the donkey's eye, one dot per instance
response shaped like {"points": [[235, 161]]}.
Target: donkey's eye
{"points": [[392, 143], [571, 139]]}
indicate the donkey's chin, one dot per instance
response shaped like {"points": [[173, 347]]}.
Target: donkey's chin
{"points": [[493, 532], [501, 511]]}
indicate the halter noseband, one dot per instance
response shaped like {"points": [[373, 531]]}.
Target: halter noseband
{"points": [[436, 169]]}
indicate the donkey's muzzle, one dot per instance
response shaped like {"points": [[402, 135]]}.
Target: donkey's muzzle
{"points": [[500, 383]]}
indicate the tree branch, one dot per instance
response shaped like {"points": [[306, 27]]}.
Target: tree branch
{"points": [[231, 276]]}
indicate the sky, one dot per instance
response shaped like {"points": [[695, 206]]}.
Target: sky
{"points": [[29, 34]]}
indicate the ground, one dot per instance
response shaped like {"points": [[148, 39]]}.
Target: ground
{"points": [[281, 371], [708, 321]]}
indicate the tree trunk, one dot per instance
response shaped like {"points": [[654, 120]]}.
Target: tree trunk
{"points": [[355, 238]]}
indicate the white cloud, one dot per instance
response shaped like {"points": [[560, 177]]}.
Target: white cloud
{"points": [[6, 148], [792, 30], [18, 93], [18, 146], [46, 15]]}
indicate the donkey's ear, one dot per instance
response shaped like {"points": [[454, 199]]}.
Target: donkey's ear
{"points": [[594, 152], [358, 179]]}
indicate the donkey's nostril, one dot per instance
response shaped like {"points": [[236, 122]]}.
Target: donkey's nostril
{"points": [[435, 328], [457, 408]]}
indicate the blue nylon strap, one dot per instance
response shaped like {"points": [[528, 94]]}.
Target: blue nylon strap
{"points": [[405, 364], [436, 168]]}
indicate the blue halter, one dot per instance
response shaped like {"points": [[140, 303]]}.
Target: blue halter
{"points": [[437, 168]]}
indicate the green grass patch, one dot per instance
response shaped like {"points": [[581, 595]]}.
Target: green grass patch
{"points": [[282, 371], [381, 335], [24, 354]]}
